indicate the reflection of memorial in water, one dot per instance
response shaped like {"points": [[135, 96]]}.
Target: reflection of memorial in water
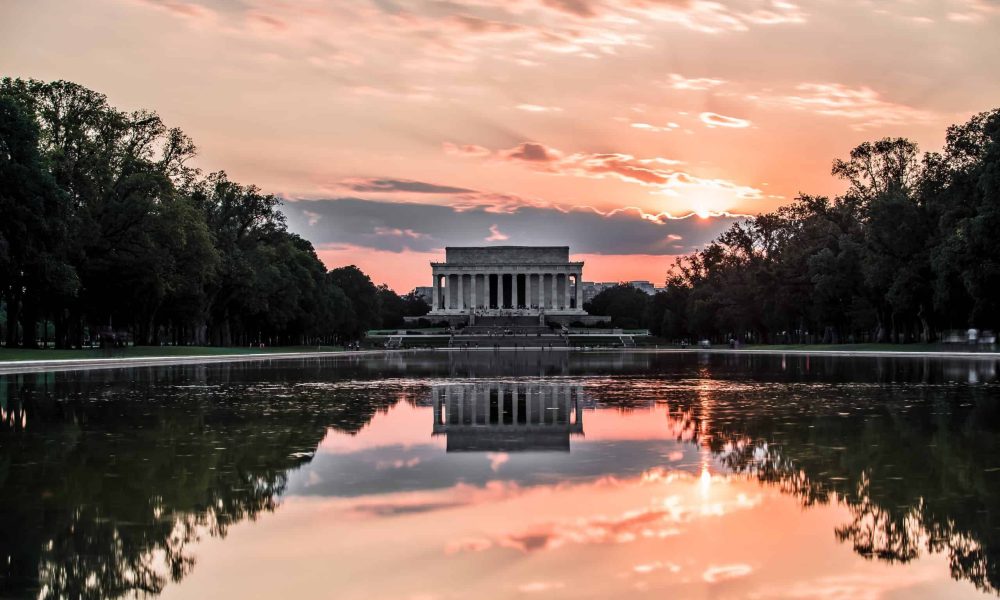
{"points": [[508, 416]]}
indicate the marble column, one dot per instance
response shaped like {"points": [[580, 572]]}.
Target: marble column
{"points": [[473, 392], [436, 294], [500, 404], [579, 405], [514, 401], [448, 412], [579, 290], [513, 289], [486, 284], [500, 290], [472, 280], [566, 290], [447, 291], [527, 290], [461, 291], [555, 291]]}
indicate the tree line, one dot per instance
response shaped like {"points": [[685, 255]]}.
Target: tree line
{"points": [[109, 232], [909, 251]]}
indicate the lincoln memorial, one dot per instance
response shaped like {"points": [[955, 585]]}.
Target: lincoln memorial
{"points": [[507, 281]]}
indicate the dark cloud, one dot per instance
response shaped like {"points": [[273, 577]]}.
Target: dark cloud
{"points": [[401, 185], [356, 474], [396, 227], [392, 510], [531, 152], [579, 8]]}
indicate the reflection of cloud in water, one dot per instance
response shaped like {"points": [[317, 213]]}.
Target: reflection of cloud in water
{"points": [[663, 517]]}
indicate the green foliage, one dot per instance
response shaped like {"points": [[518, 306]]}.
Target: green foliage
{"points": [[625, 305], [107, 230], [363, 296]]}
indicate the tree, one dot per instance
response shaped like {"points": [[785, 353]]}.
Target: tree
{"points": [[625, 305], [32, 269], [107, 230], [392, 308], [907, 250], [363, 296], [414, 305]]}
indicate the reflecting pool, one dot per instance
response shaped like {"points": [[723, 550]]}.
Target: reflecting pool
{"points": [[505, 475]]}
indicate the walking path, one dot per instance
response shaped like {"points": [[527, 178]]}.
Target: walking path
{"points": [[34, 366], [74, 364]]}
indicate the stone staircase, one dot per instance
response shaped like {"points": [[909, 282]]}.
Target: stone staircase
{"points": [[508, 341]]}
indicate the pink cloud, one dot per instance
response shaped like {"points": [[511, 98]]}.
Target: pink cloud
{"points": [[535, 587], [531, 152], [862, 104], [579, 8], [468, 545], [394, 232], [679, 82], [537, 108], [496, 235], [188, 10], [716, 574], [657, 172], [465, 150], [479, 25], [716, 120], [268, 20]]}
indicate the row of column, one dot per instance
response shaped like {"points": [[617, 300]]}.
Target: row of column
{"points": [[452, 295], [508, 404]]}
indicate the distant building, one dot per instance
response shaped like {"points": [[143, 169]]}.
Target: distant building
{"points": [[644, 286], [592, 288], [425, 292]]}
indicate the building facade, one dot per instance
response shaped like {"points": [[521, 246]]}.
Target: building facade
{"points": [[425, 293], [507, 281]]}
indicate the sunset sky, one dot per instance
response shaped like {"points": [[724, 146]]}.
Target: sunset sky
{"points": [[630, 130]]}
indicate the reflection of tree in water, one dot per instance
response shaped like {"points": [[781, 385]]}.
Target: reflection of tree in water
{"points": [[105, 484], [916, 466], [108, 477]]}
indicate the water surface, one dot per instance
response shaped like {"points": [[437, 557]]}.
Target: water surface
{"points": [[504, 475]]}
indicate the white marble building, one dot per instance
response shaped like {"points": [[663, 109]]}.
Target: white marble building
{"points": [[507, 281]]}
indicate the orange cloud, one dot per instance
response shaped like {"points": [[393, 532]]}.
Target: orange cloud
{"points": [[658, 172]]}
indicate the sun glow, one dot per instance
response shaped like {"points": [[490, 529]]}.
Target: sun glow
{"points": [[705, 481]]}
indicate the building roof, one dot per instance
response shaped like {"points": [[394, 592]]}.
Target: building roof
{"points": [[479, 255]]}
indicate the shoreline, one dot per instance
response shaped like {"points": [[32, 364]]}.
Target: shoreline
{"points": [[775, 351], [11, 367]]}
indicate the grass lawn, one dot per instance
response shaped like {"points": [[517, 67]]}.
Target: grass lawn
{"points": [[144, 351]]}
